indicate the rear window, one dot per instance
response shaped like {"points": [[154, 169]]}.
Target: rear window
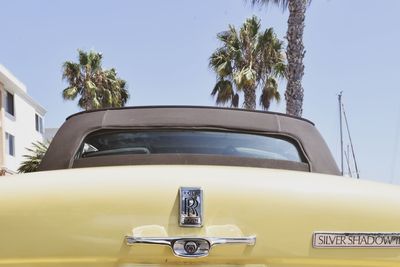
{"points": [[197, 142]]}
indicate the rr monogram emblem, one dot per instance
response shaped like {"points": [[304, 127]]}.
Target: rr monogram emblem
{"points": [[191, 206]]}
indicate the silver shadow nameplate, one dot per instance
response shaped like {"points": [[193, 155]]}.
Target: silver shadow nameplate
{"points": [[356, 240], [191, 206]]}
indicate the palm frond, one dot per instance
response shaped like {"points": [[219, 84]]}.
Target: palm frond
{"points": [[223, 91], [71, 71], [250, 28], [245, 78], [70, 93], [95, 103], [95, 60], [219, 57], [83, 57], [33, 158], [83, 103], [279, 70], [270, 92]]}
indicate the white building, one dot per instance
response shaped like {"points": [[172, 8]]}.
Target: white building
{"points": [[49, 133], [21, 121]]}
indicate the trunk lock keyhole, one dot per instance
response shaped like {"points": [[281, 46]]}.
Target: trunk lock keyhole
{"points": [[190, 247]]}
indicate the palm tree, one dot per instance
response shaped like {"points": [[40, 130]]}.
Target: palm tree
{"points": [[96, 87], [294, 93], [247, 60], [33, 159]]}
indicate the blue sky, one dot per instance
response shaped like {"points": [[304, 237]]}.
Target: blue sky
{"points": [[162, 47]]}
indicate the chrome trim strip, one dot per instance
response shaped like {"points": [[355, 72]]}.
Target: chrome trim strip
{"points": [[250, 240], [204, 244], [130, 240]]}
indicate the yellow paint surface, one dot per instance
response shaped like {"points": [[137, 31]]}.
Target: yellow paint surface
{"points": [[80, 217]]}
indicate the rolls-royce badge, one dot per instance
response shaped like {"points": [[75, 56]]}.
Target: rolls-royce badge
{"points": [[191, 206]]}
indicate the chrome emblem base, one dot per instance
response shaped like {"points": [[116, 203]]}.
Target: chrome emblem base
{"points": [[191, 206]]}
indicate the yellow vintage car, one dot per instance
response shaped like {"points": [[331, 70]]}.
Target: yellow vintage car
{"points": [[172, 186]]}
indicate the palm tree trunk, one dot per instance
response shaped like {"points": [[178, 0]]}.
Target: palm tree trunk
{"points": [[295, 53], [249, 98]]}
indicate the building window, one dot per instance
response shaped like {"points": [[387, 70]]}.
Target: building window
{"points": [[10, 144], [10, 104], [38, 123]]}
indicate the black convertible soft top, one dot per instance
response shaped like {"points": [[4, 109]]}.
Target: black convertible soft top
{"points": [[65, 145]]}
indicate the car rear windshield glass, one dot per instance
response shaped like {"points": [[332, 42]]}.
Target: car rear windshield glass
{"points": [[190, 142]]}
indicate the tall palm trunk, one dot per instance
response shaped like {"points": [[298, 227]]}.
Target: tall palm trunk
{"points": [[295, 53], [249, 98]]}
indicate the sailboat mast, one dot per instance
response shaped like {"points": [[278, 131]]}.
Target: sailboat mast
{"points": [[351, 143], [341, 131]]}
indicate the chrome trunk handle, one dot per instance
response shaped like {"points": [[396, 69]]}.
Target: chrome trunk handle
{"points": [[191, 247]]}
